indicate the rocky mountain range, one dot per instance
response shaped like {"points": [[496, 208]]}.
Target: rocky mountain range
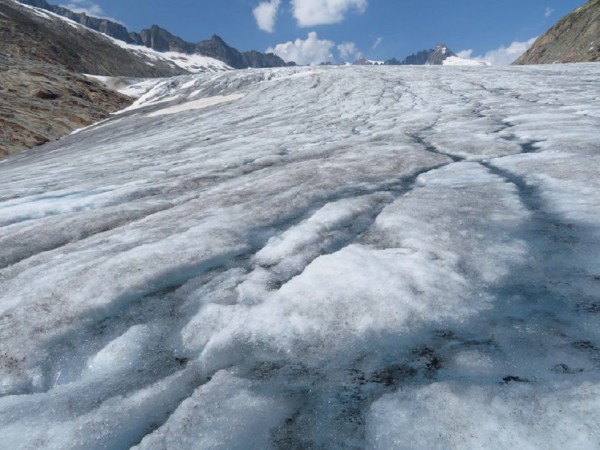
{"points": [[435, 56], [575, 38], [162, 40]]}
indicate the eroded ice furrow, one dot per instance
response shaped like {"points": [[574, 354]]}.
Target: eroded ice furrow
{"points": [[333, 258], [396, 357]]}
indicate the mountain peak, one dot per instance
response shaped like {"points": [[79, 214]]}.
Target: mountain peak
{"points": [[435, 56], [217, 38], [439, 54]]}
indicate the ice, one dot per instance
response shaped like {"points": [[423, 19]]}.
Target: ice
{"points": [[196, 104], [348, 257], [454, 415], [214, 418]]}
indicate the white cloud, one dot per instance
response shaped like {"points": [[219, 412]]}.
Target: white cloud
{"points": [[502, 56], [89, 8], [466, 54], [322, 12], [310, 51], [377, 42], [548, 12], [266, 13], [349, 51]]}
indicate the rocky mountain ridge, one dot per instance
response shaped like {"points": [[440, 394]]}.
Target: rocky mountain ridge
{"points": [[42, 37], [575, 38], [162, 40], [433, 57]]}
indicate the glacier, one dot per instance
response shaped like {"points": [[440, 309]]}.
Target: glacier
{"points": [[297, 258]]}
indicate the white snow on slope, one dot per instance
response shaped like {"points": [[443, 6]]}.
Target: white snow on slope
{"points": [[458, 61], [390, 257], [133, 87], [197, 104], [193, 63]]}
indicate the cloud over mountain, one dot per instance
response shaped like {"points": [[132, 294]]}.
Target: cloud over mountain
{"points": [[349, 51], [503, 55], [89, 8], [311, 50], [322, 12]]}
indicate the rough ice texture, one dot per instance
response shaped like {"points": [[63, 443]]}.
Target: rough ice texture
{"points": [[383, 257]]}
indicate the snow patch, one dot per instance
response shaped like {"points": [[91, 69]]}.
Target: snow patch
{"points": [[197, 104]]}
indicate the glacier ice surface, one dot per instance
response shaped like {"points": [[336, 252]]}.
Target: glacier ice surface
{"points": [[351, 257]]}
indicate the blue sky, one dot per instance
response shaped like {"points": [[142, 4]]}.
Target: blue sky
{"points": [[309, 31]]}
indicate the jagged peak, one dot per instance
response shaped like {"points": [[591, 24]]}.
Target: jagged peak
{"points": [[217, 38]]}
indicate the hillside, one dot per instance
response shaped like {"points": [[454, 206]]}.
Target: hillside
{"points": [[161, 40], [43, 93], [41, 102], [40, 36], [575, 38], [311, 258]]}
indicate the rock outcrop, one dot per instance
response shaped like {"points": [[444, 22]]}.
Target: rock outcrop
{"points": [[41, 102], [575, 38], [43, 95], [218, 49]]}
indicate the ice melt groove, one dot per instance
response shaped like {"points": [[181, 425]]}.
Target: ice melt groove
{"points": [[340, 258]]}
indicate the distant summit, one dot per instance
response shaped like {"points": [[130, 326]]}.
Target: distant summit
{"points": [[575, 38], [441, 55], [162, 40], [432, 57]]}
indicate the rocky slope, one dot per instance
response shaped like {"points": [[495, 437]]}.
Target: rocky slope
{"points": [[41, 102], [575, 38], [105, 26], [43, 95], [162, 40], [43, 37]]}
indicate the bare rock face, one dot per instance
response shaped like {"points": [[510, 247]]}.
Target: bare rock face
{"points": [[575, 38], [43, 95], [40, 102]]}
